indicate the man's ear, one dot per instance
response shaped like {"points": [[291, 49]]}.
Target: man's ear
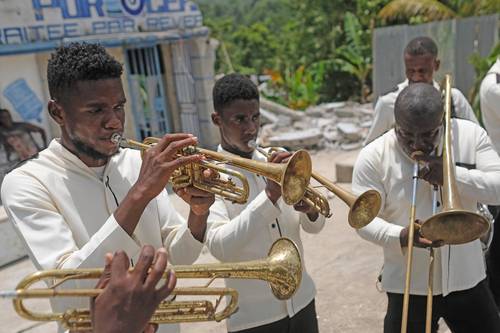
{"points": [[216, 119], [437, 63], [56, 112]]}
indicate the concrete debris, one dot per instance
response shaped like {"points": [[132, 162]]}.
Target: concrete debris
{"points": [[333, 126], [309, 138], [267, 117], [280, 109], [350, 131]]}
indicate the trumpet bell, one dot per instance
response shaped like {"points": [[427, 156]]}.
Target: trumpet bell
{"points": [[455, 227], [285, 263], [364, 209], [296, 178]]}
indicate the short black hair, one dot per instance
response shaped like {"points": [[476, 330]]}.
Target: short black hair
{"points": [[4, 110], [233, 87], [420, 46], [419, 101], [79, 62]]}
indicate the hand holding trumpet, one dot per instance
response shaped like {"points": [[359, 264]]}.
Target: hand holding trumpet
{"points": [[130, 297], [273, 189], [159, 161]]}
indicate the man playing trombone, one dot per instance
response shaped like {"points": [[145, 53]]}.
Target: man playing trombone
{"points": [[245, 232], [83, 197], [461, 296]]}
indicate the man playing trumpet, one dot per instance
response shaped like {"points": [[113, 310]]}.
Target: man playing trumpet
{"points": [[83, 197], [247, 231], [461, 296]]}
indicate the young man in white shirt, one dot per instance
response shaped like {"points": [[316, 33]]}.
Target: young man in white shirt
{"points": [[83, 196], [246, 232], [489, 94], [421, 62], [462, 297]]}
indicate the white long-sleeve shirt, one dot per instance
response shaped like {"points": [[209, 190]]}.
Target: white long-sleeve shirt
{"points": [[383, 166], [63, 213], [490, 103], [384, 110], [246, 233]]}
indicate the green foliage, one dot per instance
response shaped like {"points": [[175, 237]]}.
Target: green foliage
{"points": [[421, 11], [248, 30], [481, 66], [354, 56], [298, 88], [316, 50]]}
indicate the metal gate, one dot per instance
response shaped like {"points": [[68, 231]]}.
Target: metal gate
{"points": [[145, 76]]}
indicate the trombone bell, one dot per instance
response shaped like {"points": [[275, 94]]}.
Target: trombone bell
{"points": [[455, 226]]}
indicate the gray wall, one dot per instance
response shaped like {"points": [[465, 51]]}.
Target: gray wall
{"points": [[457, 40]]}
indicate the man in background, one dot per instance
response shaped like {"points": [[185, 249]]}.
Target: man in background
{"points": [[421, 62]]}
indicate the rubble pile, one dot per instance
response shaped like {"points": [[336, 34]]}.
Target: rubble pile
{"points": [[338, 125]]}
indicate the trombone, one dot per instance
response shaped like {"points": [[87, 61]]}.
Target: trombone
{"points": [[453, 225], [293, 176], [363, 209], [282, 269]]}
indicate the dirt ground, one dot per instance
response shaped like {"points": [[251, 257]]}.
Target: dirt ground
{"points": [[343, 266]]}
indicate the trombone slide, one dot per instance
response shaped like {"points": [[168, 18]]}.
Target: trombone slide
{"points": [[409, 252]]}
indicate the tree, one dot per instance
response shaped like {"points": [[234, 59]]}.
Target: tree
{"points": [[419, 11], [354, 56]]}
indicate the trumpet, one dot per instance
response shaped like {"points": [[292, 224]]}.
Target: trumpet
{"points": [[293, 176], [363, 209], [282, 269]]}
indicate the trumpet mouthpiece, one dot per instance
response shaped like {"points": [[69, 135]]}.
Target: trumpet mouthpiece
{"points": [[116, 138], [8, 294], [252, 144]]}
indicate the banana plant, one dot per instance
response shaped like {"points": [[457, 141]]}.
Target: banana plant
{"points": [[354, 56]]}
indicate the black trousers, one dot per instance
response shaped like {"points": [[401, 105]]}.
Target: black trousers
{"points": [[493, 258], [304, 321], [467, 311]]}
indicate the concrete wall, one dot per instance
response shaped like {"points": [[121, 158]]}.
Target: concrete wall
{"points": [[457, 40], [193, 72], [202, 62]]}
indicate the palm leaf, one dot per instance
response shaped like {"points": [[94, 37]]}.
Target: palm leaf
{"points": [[432, 10], [353, 31]]}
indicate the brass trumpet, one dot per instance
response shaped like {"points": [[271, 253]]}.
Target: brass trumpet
{"points": [[282, 269], [363, 209], [293, 176]]}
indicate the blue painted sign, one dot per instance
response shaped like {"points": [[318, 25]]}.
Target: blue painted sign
{"points": [[31, 21], [24, 100]]}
